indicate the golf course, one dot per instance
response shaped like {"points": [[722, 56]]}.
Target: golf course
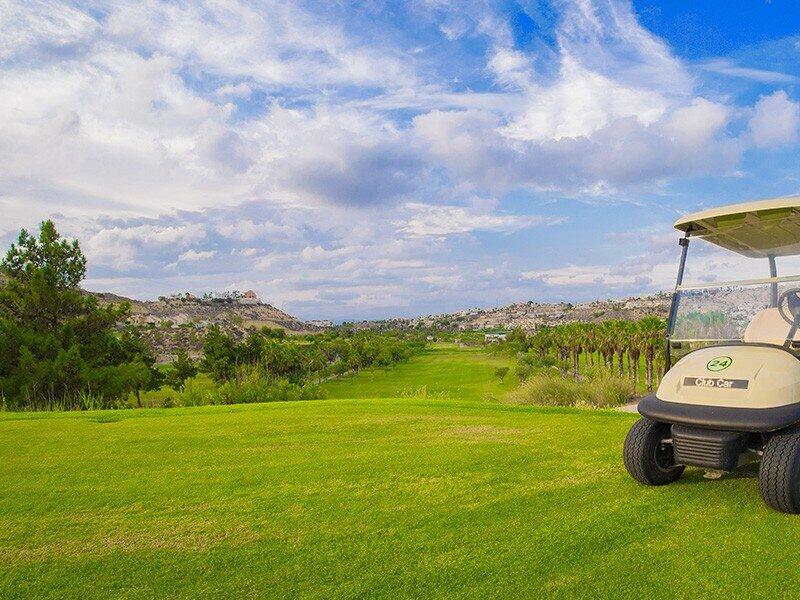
{"points": [[419, 480]]}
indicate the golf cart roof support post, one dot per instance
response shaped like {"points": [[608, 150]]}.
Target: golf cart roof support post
{"points": [[773, 272], [673, 308]]}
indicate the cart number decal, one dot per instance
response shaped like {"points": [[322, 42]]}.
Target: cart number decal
{"points": [[716, 382], [719, 363]]}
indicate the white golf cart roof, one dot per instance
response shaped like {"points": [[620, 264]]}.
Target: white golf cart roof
{"points": [[756, 229]]}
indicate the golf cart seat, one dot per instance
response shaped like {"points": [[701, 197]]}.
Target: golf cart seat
{"points": [[769, 327]]}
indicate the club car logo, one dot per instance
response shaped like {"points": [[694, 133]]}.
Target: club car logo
{"points": [[719, 363]]}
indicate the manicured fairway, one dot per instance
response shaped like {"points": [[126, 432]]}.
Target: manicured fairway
{"points": [[457, 373], [368, 498]]}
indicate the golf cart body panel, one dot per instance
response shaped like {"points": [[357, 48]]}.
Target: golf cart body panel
{"points": [[722, 418], [736, 376]]}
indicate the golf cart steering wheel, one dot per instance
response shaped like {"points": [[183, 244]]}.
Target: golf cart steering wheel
{"points": [[789, 306]]}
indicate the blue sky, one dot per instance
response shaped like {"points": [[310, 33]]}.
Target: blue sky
{"points": [[368, 159]]}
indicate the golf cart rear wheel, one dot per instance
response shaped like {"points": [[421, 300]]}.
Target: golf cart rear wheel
{"points": [[648, 453], [779, 474]]}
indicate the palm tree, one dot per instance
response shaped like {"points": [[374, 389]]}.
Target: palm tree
{"points": [[635, 351], [652, 331], [561, 343], [575, 339], [607, 343], [590, 342], [621, 336], [542, 341]]}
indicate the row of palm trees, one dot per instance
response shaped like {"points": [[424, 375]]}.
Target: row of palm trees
{"points": [[618, 346]]}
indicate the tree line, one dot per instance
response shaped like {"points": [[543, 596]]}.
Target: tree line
{"points": [[616, 346], [312, 357], [60, 350]]}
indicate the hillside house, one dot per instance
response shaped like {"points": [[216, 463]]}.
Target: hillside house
{"points": [[491, 338], [321, 323], [249, 297]]}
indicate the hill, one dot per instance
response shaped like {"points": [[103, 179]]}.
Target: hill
{"points": [[188, 309], [530, 315], [180, 321]]}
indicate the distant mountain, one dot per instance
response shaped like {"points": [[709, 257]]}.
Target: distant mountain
{"points": [[530, 315]]}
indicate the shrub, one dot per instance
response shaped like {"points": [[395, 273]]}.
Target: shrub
{"points": [[501, 372], [253, 384], [553, 389], [193, 394], [246, 387], [609, 390]]}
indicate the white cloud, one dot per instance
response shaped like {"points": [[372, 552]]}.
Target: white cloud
{"points": [[248, 252], [582, 103], [193, 255], [726, 67], [318, 253], [575, 275], [623, 153], [643, 275], [510, 67], [274, 43], [429, 220], [324, 150], [239, 90], [119, 247], [775, 121], [248, 230], [697, 123], [41, 26]]}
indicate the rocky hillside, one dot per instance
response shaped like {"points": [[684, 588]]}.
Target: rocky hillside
{"points": [[530, 315], [175, 322], [187, 309]]}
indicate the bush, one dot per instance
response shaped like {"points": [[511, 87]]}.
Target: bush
{"points": [[194, 393], [552, 389], [253, 384], [609, 390], [530, 364]]}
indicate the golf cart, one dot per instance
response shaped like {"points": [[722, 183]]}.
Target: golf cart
{"points": [[733, 397]]}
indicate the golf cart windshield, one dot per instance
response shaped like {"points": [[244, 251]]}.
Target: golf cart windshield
{"points": [[741, 281], [758, 310]]}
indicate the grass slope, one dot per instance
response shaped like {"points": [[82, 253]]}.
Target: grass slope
{"points": [[368, 498], [458, 373]]}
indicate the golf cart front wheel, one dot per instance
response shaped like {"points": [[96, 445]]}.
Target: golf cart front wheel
{"points": [[648, 453], [779, 473]]}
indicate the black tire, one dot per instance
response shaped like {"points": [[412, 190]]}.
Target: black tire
{"points": [[779, 473], [647, 459]]}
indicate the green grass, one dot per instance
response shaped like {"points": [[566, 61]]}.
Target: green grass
{"points": [[370, 498], [380, 497], [445, 369]]}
